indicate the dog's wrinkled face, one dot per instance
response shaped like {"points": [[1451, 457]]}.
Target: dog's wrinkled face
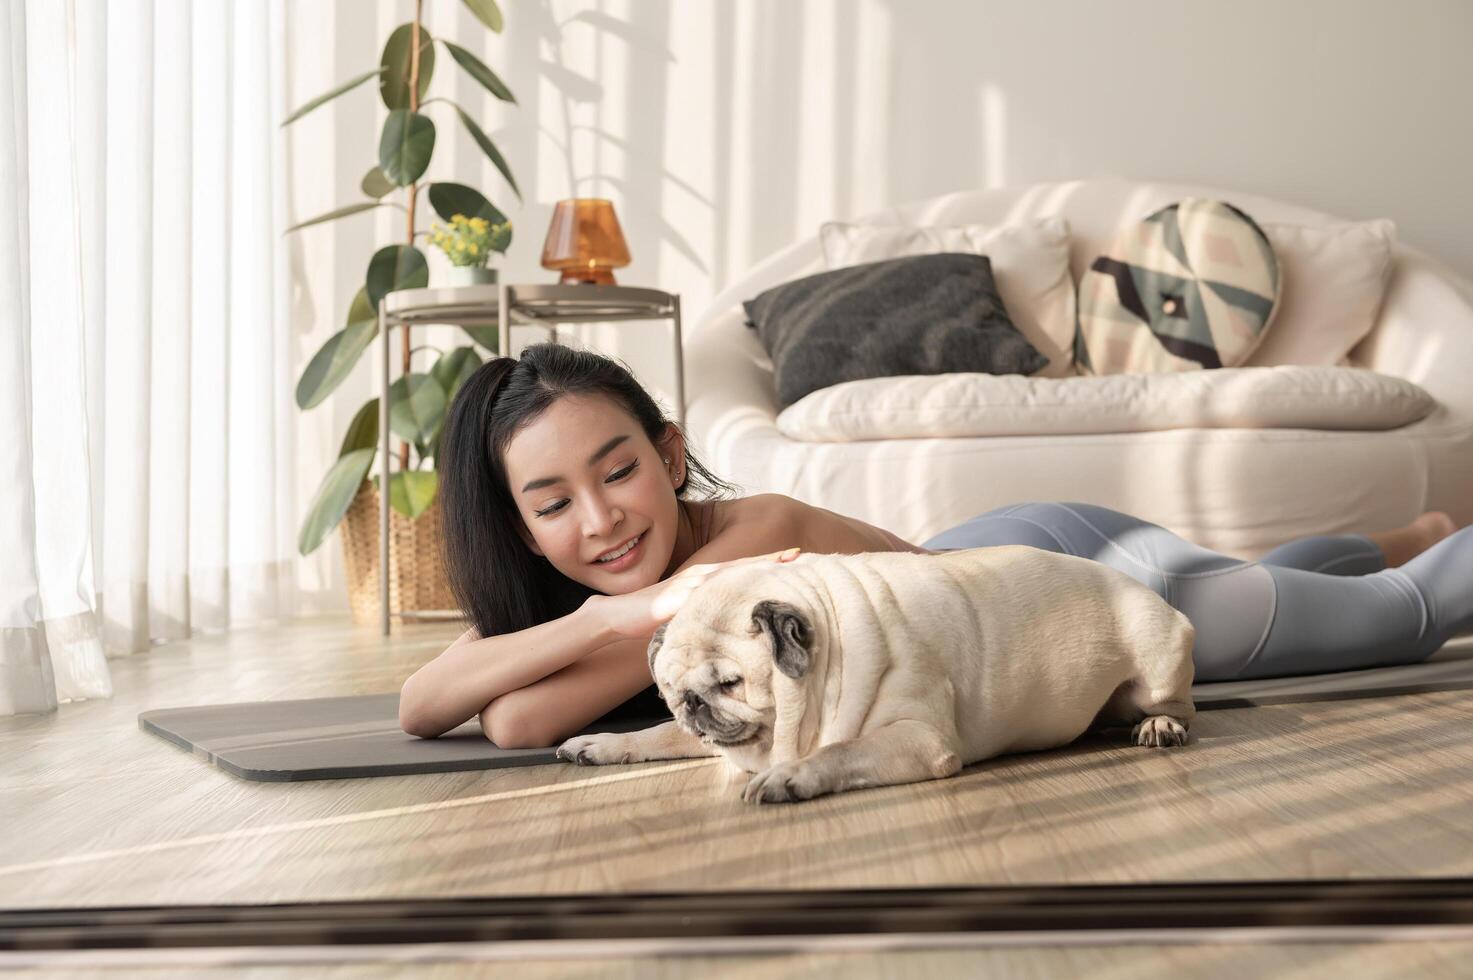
{"points": [[713, 664]]}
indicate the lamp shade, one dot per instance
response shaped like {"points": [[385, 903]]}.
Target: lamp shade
{"points": [[585, 241]]}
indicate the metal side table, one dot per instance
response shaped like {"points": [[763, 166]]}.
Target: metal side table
{"points": [[505, 305]]}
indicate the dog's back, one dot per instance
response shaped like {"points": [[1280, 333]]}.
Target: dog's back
{"points": [[1034, 642]]}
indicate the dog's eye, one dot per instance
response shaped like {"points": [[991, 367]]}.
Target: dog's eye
{"points": [[727, 685]]}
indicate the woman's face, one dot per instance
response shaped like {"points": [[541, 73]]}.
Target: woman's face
{"points": [[587, 481]]}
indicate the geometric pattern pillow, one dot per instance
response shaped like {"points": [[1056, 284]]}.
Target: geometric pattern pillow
{"points": [[1192, 286]]}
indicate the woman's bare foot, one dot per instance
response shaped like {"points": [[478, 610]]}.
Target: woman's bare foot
{"points": [[1405, 543]]}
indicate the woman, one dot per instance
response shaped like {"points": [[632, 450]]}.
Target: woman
{"points": [[569, 539]]}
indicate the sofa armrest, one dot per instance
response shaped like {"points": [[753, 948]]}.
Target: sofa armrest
{"points": [[1425, 335], [731, 391]]}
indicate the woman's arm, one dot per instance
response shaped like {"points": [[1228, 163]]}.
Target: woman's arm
{"points": [[460, 682], [547, 711]]}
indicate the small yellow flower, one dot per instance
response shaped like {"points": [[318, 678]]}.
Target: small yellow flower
{"points": [[470, 240]]}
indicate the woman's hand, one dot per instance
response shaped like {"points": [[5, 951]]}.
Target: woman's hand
{"points": [[636, 615]]}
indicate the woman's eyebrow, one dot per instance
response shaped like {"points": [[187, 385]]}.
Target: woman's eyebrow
{"points": [[603, 451]]}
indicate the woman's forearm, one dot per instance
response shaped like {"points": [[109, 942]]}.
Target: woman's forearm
{"points": [[545, 713], [462, 680]]}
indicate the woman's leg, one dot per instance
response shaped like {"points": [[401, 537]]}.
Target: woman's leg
{"points": [[1362, 554], [1253, 619], [994, 528], [1337, 554]]}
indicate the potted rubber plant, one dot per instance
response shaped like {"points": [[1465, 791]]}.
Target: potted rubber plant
{"points": [[418, 399]]}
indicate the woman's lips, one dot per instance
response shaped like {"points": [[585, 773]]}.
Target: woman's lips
{"points": [[625, 560]]}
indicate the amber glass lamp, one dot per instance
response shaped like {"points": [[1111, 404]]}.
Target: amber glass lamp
{"points": [[584, 241]]}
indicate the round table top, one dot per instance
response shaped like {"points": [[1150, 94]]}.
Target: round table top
{"points": [[548, 301]]}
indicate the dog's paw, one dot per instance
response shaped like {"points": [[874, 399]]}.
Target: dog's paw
{"points": [[1161, 731], [606, 749], [786, 782]]}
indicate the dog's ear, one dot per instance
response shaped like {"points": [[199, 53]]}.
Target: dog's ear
{"points": [[789, 632], [657, 640]]}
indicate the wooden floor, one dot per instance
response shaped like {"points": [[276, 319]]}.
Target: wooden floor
{"points": [[96, 812]]}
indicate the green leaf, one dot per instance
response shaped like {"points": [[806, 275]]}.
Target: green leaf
{"points": [[342, 212], [406, 146], [333, 498], [345, 87], [337, 358], [478, 70], [363, 430], [500, 239], [416, 406], [487, 337], [395, 267], [394, 86], [488, 13], [375, 184], [451, 371], [412, 491], [454, 368], [488, 147], [449, 200]]}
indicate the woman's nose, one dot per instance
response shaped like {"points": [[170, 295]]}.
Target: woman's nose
{"points": [[600, 519]]}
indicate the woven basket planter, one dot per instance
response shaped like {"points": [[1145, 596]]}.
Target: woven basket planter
{"points": [[416, 565]]}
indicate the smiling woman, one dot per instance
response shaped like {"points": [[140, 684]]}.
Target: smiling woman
{"points": [[563, 487]]}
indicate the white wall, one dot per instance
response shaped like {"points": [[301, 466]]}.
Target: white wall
{"points": [[726, 130]]}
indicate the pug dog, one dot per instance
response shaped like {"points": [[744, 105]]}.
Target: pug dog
{"points": [[835, 672]]}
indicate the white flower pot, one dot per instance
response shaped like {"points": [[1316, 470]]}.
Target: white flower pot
{"points": [[470, 275]]}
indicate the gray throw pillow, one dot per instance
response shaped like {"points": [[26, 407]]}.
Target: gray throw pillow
{"points": [[921, 314]]}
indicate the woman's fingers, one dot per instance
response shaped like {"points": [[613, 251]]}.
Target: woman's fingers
{"points": [[706, 568], [787, 554]]}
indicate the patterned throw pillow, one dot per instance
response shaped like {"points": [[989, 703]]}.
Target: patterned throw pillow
{"points": [[922, 314], [1192, 286]]}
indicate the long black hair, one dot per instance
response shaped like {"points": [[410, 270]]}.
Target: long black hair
{"points": [[500, 584]]}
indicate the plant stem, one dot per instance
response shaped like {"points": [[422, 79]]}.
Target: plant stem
{"points": [[413, 188]]}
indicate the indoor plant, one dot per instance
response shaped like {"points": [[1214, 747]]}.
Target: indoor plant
{"points": [[417, 400], [468, 243]]}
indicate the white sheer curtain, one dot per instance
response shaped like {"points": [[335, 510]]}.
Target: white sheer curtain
{"points": [[145, 370]]}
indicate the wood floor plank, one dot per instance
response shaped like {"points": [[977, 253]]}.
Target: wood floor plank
{"points": [[97, 812], [1363, 961]]}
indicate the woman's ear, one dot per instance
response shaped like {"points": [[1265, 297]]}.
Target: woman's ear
{"points": [[672, 452]]}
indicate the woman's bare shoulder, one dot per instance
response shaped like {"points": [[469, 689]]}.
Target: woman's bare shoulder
{"points": [[821, 531], [723, 516]]}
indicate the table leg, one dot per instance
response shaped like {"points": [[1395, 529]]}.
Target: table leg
{"points": [[679, 366], [503, 320], [383, 488]]}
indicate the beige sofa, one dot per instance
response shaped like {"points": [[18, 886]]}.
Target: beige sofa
{"points": [[1236, 482]]}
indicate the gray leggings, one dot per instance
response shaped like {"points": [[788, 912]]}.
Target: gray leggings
{"points": [[1311, 606]]}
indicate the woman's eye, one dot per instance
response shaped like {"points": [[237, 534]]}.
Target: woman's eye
{"points": [[616, 476]]}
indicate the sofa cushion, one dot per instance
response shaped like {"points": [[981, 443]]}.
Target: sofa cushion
{"points": [[1287, 396], [1030, 262], [1334, 278], [1190, 286], [926, 314]]}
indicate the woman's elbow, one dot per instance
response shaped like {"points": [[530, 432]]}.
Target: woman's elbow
{"points": [[412, 718], [508, 723]]}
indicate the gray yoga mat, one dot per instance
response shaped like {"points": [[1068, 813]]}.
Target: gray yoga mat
{"points": [[343, 738], [351, 737]]}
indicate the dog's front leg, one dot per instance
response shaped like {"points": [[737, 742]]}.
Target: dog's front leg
{"points": [[664, 741], [905, 751]]}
